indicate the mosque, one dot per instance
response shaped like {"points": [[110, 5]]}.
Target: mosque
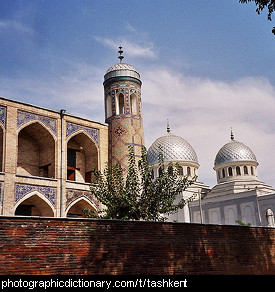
{"points": [[47, 157]]}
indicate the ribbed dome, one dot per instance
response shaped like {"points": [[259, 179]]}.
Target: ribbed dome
{"points": [[122, 70], [234, 151], [174, 148]]}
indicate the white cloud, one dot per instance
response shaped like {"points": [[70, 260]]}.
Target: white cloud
{"points": [[132, 49], [202, 112], [15, 26], [199, 110]]}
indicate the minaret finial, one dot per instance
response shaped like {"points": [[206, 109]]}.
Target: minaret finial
{"points": [[168, 127], [120, 53], [232, 135]]}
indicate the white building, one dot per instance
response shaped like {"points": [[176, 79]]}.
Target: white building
{"points": [[238, 195]]}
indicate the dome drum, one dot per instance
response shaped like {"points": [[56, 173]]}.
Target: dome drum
{"points": [[122, 71]]}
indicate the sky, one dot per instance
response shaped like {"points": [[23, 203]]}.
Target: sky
{"points": [[205, 65]]}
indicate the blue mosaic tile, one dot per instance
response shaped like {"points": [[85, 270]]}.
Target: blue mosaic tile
{"points": [[22, 190], [25, 117], [72, 195], [3, 112], [93, 133]]}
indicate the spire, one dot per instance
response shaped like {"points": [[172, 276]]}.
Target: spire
{"points": [[232, 135], [168, 127], [120, 53]]}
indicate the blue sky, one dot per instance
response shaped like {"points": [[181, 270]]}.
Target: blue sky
{"points": [[205, 65]]}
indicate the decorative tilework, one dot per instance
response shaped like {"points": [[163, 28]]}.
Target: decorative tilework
{"points": [[22, 190], [124, 129], [119, 131], [3, 112], [93, 133], [25, 117], [72, 195]]}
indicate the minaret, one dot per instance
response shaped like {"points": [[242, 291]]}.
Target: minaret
{"points": [[122, 88]]}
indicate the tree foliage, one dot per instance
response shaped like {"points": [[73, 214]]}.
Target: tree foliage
{"points": [[139, 196], [261, 5]]}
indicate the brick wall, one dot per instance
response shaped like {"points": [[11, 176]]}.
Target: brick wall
{"points": [[75, 246]]}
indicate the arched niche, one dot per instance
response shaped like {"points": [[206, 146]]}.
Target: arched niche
{"points": [[77, 207], [34, 205], [82, 158], [36, 151]]}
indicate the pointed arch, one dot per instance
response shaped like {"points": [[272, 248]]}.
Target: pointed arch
{"points": [[34, 204], [238, 170], [109, 111], [180, 170], [75, 209], [133, 104], [36, 147], [120, 104], [269, 215], [82, 157]]}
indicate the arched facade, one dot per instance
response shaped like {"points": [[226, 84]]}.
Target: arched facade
{"points": [[34, 143]]}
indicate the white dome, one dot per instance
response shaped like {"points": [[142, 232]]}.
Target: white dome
{"points": [[121, 70], [174, 148], [234, 151]]}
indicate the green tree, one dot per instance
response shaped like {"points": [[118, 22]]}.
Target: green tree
{"points": [[261, 5], [139, 196]]}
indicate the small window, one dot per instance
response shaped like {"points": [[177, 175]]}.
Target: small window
{"points": [[121, 106], [71, 157], [109, 106], [133, 104], [245, 170], [238, 170], [230, 172], [180, 170], [270, 218], [188, 171], [152, 174], [170, 169], [223, 173], [252, 170], [160, 171]]}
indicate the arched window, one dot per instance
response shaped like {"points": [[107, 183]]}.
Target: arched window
{"points": [[223, 173], [152, 174], [245, 170], [188, 171], [269, 215], [238, 170], [252, 170], [170, 169], [120, 104], [230, 172], [160, 171], [180, 170], [133, 104], [108, 106]]}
